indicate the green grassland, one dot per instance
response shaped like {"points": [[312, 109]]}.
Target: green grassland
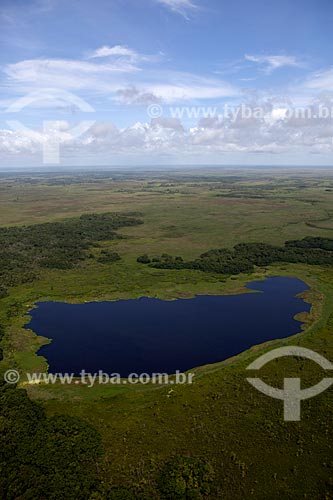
{"points": [[220, 418]]}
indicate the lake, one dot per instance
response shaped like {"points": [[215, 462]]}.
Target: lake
{"points": [[150, 335]]}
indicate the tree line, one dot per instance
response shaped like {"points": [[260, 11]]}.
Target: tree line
{"points": [[245, 256]]}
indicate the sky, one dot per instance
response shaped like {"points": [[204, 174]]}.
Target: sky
{"points": [[166, 82]]}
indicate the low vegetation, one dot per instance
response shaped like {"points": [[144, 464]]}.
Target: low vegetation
{"points": [[216, 439]]}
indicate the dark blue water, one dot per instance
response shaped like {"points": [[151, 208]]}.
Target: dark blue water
{"points": [[152, 335]]}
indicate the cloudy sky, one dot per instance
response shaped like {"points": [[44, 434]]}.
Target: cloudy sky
{"points": [[147, 82]]}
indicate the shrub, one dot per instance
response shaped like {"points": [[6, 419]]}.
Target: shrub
{"points": [[143, 259], [3, 292], [107, 257], [185, 478]]}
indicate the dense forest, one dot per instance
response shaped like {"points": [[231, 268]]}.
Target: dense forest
{"points": [[43, 457], [245, 256], [24, 250]]}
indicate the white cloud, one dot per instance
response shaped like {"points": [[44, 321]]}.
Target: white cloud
{"points": [[67, 74], [119, 74], [273, 132], [182, 7], [121, 78], [176, 86], [321, 81], [116, 50], [273, 62], [27, 141], [179, 86]]}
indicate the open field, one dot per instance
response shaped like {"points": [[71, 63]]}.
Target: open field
{"points": [[220, 419]]}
